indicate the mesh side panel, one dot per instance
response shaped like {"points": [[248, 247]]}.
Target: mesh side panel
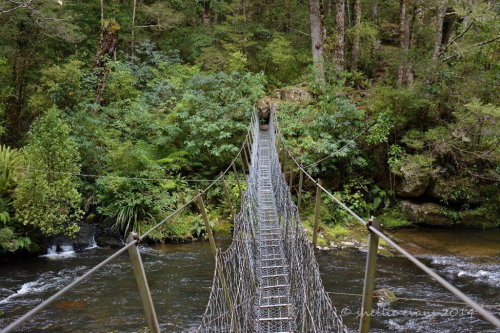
{"points": [[268, 279]]}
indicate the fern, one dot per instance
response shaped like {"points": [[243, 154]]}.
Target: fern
{"points": [[11, 162]]}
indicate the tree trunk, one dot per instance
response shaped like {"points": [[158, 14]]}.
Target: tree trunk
{"points": [[417, 23], [105, 52], [134, 4], [317, 39], [404, 26], [102, 13], [348, 16], [375, 12], [206, 12], [438, 42], [340, 33], [355, 44], [405, 74]]}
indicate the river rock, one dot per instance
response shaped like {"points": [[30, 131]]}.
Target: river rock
{"points": [[385, 295], [426, 213], [481, 217], [109, 237], [85, 236], [293, 94]]}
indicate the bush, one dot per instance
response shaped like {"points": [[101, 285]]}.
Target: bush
{"points": [[47, 196]]}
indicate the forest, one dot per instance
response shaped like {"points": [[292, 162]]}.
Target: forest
{"points": [[113, 113]]}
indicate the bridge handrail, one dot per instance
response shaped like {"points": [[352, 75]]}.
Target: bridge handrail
{"points": [[459, 294], [19, 321]]}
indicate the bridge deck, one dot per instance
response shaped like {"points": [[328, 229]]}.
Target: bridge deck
{"points": [[275, 312]]}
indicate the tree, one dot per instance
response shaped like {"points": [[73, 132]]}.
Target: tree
{"points": [[134, 7], [46, 196], [355, 43], [105, 52], [27, 28], [205, 17], [375, 11], [340, 32], [405, 74], [438, 42], [317, 39]]}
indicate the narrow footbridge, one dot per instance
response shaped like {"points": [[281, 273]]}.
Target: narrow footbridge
{"points": [[269, 272], [268, 280]]}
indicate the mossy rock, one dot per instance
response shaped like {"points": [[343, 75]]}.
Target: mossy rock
{"points": [[455, 189], [385, 295], [486, 216], [384, 252], [415, 172], [266, 105], [293, 94], [427, 213]]}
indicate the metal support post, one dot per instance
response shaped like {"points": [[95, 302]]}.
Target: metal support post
{"points": [[142, 284], [213, 248], [317, 213], [243, 162], [299, 196], [249, 148], [228, 197], [246, 158], [369, 284], [237, 180], [208, 229]]}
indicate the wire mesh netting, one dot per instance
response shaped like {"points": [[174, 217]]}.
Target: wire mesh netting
{"points": [[268, 280]]}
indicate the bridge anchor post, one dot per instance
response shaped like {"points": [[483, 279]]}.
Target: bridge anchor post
{"points": [[317, 210], [248, 156], [208, 229], [228, 197], [369, 284], [142, 284], [299, 196], [237, 180]]}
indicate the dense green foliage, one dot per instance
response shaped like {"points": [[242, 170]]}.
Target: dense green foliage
{"points": [[49, 200], [172, 101]]}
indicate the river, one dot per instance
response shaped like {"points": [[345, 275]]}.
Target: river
{"points": [[180, 277]]}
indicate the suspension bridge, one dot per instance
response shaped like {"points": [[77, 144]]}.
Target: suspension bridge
{"points": [[268, 279]]}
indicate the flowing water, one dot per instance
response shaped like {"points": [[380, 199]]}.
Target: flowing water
{"points": [[180, 277]]}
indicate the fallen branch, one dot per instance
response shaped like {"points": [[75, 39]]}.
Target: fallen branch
{"points": [[456, 55], [460, 35]]}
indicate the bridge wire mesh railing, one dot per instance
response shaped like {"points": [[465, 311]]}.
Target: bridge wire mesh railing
{"points": [[47, 302], [459, 294], [315, 312], [231, 302], [238, 274]]}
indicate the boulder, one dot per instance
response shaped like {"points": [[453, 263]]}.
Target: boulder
{"points": [[293, 94], [265, 106], [413, 186], [454, 189], [109, 237], [481, 217], [85, 236], [426, 213]]}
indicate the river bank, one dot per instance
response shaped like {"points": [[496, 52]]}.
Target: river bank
{"points": [[180, 277]]}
